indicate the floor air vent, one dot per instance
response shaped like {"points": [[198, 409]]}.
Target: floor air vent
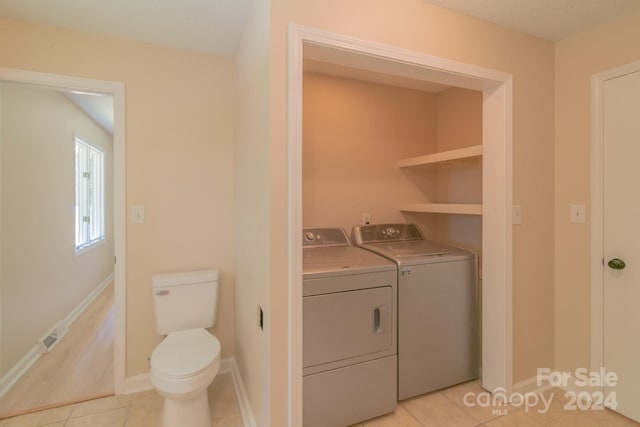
{"points": [[52, 338]]}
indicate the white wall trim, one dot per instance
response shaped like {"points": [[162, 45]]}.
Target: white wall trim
{"points": [[10, 378], [597, 209], [497, 237], [597, 236], [497, 192], [117, 89], [142, 382], [243, 400], [227, 365], [294, 233], [530, 385], [77, 310], [21, 368], [137, 383], [570, 389]]}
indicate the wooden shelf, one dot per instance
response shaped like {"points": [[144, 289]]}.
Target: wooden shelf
{"points": [[444, 208], [436, 158], [445, 156]]}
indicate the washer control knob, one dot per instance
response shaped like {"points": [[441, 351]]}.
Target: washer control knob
{"points": [[392, 232]]}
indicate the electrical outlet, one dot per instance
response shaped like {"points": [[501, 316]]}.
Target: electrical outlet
{"points": [[366, 219], [260, 318]]}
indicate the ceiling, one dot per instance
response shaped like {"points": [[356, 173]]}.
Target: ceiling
{"points": [[214, 26], [98, 106], [551, 20], [210, 26]]}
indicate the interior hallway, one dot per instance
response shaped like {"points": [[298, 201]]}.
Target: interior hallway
{"points": [[79, 367]]}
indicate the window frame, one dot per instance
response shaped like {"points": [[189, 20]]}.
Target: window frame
{"points": [[88, 203]]}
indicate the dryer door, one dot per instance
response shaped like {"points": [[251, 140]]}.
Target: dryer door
{"points": [[344, 325]]}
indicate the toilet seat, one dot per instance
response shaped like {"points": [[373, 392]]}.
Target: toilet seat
{"points": [[186, 354]]}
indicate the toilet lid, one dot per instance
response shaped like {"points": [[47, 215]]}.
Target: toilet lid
{"points": [[185, 353]]}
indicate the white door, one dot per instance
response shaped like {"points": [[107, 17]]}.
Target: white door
{"points": [[621, 217]]}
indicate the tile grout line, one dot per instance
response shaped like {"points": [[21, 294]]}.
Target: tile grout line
{"points": [[469, 414], [410, 413]]}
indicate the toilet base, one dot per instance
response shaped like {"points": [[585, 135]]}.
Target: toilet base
{"points": [[192, 412]]}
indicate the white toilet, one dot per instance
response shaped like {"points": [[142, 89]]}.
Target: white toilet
{"points": [[185, 363]]}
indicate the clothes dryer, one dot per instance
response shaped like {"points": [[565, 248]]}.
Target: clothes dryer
{"points": [[349, 331]]}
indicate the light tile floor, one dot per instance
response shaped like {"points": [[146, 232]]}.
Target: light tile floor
{"points": [[445, 408], [135, 410]]}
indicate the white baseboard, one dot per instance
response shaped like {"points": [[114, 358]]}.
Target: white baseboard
{"points": [[77, 311], [243, 401], [530, 385], [142, 382], [10, 378], [21, 368], [137, 383], [226, 365], [568, 390]]}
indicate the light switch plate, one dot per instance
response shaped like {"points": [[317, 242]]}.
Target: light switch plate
{"points": [[517, 215], [137, 214], [578, 214]]}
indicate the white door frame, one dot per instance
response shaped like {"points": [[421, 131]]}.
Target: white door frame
{"points": [[597, 209], [497, 186], [117, 90]]}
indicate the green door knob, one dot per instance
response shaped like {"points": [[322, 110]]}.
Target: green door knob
{"points": [[616, 264]]}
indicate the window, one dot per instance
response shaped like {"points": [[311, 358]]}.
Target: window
{"points": [[89, 195]]}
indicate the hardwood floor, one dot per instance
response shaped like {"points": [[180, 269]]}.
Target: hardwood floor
{"points": [[78, 368]]}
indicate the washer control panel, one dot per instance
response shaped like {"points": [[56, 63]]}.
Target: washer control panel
{"points": [[386, 232], [324, 237]]}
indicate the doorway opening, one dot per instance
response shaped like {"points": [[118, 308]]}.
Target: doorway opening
{"points": [[365, 60], [111, 291]]}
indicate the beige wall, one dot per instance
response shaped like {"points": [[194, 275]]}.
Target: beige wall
{"points": [[459, 124], [43, 279], [179, 159], [577, 59], [252, 210], [187, 143], [353, 134], [418, 26]]}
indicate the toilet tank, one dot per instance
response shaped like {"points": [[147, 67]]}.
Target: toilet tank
{"points": [[185, 300]]}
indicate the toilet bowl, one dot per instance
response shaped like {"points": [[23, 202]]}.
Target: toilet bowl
{"points": [[183, 365], [187, 360]]}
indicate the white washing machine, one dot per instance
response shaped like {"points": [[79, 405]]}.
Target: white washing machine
{"points": [[349, 331], [437, 307]]}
